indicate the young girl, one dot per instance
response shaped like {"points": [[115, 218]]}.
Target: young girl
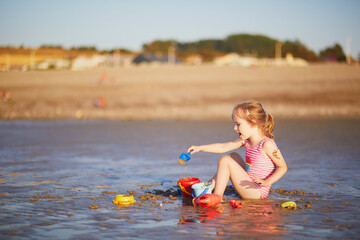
{"points": [[264, 163]]}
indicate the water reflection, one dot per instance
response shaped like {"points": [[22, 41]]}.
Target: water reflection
{"points": [[254, 218], [200, 215]]}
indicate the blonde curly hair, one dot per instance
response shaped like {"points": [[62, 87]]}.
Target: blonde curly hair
{"points": [[254, 113]]}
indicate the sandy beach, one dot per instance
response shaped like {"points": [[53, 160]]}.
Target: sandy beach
{"points": [[181, 92]]}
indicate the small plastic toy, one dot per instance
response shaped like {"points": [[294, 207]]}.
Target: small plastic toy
{"points": [[184, 157], [185, 186], [202, 188], [124, 199], [207, 200], [235, 203], [289, 204]]}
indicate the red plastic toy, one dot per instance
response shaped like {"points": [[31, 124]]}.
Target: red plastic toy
{"points": [[207, 200], [235, 203], [185, 186]]}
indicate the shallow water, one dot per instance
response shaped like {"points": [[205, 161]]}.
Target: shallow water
{"points": [[52, 171]]}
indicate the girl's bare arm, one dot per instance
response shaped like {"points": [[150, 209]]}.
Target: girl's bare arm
{"points": [[217, 147], [271, 150]]}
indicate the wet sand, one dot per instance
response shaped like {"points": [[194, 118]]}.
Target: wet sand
{"points": [[58, 180], [181, 92]]}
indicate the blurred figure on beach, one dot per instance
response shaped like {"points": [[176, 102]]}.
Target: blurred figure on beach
{"points": [[6, 95], [100, 102]]}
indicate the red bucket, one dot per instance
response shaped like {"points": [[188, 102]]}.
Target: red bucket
{"points": [[185, 186]]}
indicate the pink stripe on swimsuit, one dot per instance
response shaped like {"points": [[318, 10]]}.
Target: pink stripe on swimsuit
{"points": [[258, 165]]}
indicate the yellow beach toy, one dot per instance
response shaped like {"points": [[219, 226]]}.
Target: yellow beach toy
{"points": [[289, 204], [124, 199]]}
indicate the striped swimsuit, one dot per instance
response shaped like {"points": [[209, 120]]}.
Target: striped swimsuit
{"points": [[258, 165]]}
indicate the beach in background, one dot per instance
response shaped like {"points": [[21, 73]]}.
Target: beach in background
{"points": [[180, 92]]}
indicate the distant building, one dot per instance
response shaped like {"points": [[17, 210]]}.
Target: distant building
{"points": [[53, 64], [296, 62], [82, 62], [234, 59], [119, 60], [152, 58], [194, 59]]}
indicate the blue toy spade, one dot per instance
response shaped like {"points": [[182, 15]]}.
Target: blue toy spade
{"points": [[184, 157]]}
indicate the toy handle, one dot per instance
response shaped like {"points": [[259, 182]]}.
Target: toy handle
{"points": [[188, 155], [196, 202], [184, 190], [204, 192]]}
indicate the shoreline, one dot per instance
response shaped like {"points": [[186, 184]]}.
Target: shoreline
{"points": [[181, 92]]}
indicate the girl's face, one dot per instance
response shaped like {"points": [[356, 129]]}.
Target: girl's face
{"points": [[242, 127]]}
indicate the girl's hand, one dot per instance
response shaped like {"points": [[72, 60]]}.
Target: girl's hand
{"points": [[261, 182], [194, 149]]}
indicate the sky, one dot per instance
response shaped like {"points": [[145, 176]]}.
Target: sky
{"points": [[110, 24]]}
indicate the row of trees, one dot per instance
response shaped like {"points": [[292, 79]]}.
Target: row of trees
{"points": [[244, 44], [86, 49]]}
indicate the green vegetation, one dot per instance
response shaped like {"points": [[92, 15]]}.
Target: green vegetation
{"points": [[84, 48], [259, 45], [243, 44], [51, 46], [297, 49], [334, 53], [120, 50]]}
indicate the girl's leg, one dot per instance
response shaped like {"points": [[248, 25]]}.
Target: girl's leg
{"points": [[237, 158], [230, 166]]}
